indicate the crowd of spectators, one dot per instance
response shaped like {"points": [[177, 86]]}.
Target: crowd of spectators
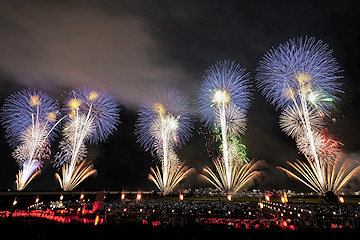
{"points": [[229, 212]]}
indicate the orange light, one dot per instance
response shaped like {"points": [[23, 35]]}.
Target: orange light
{"points": [[122, 196], [341, 200], [34, 100], [181, 197], [51, 116], [81, 196], [74, 103], [93, 95], [267, 198], [97, 219], [14, 202], [138, 196], [37, 200], [229, 197], [159, 108]]}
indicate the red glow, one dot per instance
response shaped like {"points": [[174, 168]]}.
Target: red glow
{"points": [[59, 216]]}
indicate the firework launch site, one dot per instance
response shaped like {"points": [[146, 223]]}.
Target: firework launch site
{"points": [[138, 214]]}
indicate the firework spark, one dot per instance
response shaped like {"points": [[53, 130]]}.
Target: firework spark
{"points": [[240, 175], [164, 124], [29, 170], [326, 147], [29, 117], [74, 175], [291, 122], [176, 173], [224, 97], [335, 175], [92, 116]]}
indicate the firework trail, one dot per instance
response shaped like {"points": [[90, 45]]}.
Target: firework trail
{"points": [[223, 100], [301, 77], [336, 175], [92, 116], [240, 175], [163, 125], [29, 117]]}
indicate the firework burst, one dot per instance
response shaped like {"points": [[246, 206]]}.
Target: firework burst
{"points": [[240, 175], [163, 125], [92, 116], [23, 109], [176, 174], [291, 121], [29, 117], [226, 88], [335, 175], [223, 100], [74, 175], [100, 105], [301, 77], [300, 69], [326, 147]]}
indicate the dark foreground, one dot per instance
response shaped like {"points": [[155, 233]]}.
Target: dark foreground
{"points": [[21, 228]]}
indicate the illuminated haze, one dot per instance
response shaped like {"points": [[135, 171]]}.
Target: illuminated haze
{"points": [[68, 46]]}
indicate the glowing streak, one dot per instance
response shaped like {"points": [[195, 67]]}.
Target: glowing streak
{"points": [[175, 175], [74, 175], [239, 176], [26, 174], [334, 175]]}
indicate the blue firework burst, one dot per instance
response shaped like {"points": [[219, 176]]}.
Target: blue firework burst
{"points": [[21, 108], [170, 104], [298, 65], [229, 78], [101, 105]]}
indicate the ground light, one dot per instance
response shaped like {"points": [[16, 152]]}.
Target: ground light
{"points": [[181, 197]]}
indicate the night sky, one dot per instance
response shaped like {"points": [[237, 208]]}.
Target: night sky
{"points": [[128, 46]]}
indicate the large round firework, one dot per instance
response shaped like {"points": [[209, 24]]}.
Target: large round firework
{"points": [[21, 109], [164, 109], [300, 67], [326, 147], [100, 105], [229, 84], [291, 123]]}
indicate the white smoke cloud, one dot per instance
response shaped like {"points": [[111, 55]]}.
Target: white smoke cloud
{"points": [[49, 46]]}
